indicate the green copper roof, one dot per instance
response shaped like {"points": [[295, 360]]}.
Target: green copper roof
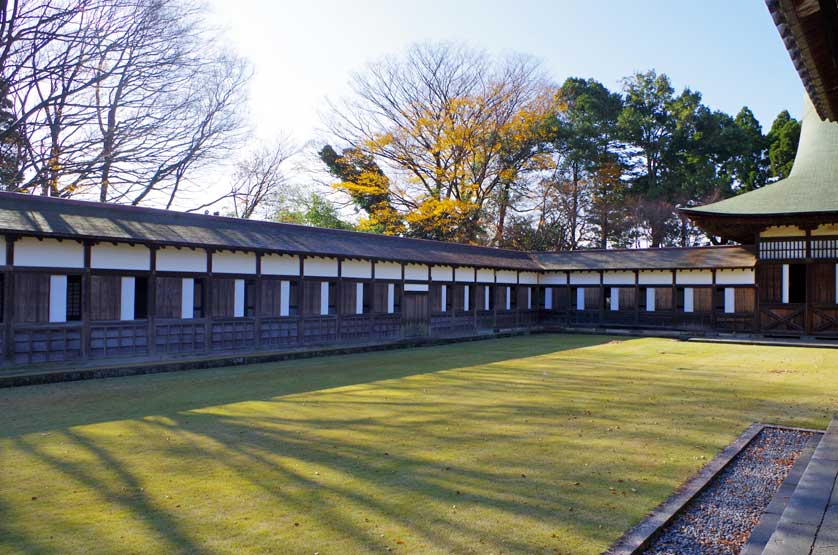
{"points": [[811, 187]]}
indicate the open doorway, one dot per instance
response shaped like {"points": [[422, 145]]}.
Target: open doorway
{"points": [[797, 283]]}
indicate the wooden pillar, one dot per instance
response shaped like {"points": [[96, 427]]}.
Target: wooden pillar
{"points": [[86, 298], [401, 305], [713, 294], [152, 301], [674, 298], [807, 312], [301, 296], [257, 302], [206, 300], [8, 301], [339, 300], [636, 298], [601, 297]]}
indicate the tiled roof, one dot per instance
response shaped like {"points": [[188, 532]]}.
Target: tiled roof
{"points": [[43, 216]]}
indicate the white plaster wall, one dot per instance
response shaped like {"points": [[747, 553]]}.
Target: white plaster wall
{"points": [[280, 265], [324, 297], [416, 287], [58, 298], [735, 277], [485, 275], [553, 278], [126, 299], [120, 257], [580, 298], [284, 298], [548, 298], [226, 262], [442, 273], [467, 291], [50, 253], [508, 297], [615, 300], [2, 251], [688, 299], [694, 277], [654, 277], [464, 275], [391, 298], [238, 298], [584, 278], [730, 300], [418, 272], [528, 278], [187, 298], [618, 278], [320, 267], [170, 259], [388, 270], [358, 269], [529, 298], [359, 298], [650, 299], [785, 283], [443, 298], [507, 276]]}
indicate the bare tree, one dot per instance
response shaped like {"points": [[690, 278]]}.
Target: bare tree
{"points": [[259, 181], [120, 99]]}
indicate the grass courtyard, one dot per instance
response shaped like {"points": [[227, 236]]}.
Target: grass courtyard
{"points": [[542, 444]]}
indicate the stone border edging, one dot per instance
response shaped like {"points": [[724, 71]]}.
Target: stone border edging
{"points": [[639, 536]]}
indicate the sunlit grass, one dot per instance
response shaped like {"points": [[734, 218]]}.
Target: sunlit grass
{"points": [[543, 444]]}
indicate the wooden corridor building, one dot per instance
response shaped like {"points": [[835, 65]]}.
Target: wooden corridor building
{"points": [[88, 281]]}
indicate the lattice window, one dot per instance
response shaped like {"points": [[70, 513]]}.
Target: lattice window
{"points": [[782, 249], [825, 248]]}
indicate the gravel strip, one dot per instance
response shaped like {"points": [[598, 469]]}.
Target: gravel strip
{"points": [[719, 520]]}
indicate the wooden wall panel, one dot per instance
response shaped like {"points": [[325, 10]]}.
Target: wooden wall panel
{"points": [[592, 298], [105, 297], [702, 299], [168, 297], [769, 278], [269, 304], [223, 297], [561, 301], [627, 298], [663, 298], [744, 299], [456, 294], [522, 297], [347, 297], [379, 298], [311, 298], [31, 299], [822, 283]]}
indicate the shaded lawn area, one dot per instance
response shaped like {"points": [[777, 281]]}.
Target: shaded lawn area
{"points": [[542, 444]]}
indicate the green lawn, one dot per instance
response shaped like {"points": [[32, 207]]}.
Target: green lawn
{"points": [[543, 444]]}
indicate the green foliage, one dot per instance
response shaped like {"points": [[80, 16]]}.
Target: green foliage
{"points": [[314, 210], [783, 139], [576, 166]]}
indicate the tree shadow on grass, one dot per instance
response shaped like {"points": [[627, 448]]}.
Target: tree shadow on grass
{"points": [[55, 406], [271, 448]]}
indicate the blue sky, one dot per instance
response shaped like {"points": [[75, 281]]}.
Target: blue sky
{"points": [[305, 51]]}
